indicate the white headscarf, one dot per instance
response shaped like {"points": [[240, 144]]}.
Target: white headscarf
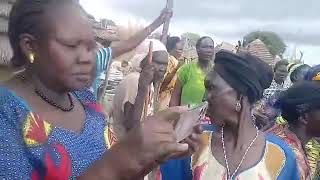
{"points": [[142, 51]]}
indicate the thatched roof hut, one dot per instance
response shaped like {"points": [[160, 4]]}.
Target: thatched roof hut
{"points": [[225, 46], [105, 30], [5, 49], [259, 49]]}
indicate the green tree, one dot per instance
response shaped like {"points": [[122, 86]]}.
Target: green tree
{"points": [[275, 44], [191, 37]]}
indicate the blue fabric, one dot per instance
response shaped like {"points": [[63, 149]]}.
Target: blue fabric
{"points": [[290, 169], [59, 153], [181, 169], [103, 62], [209, 127], [177, 170]]}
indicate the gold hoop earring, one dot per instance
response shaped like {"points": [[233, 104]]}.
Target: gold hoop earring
{"points": [[238, 106], [31, 58]]}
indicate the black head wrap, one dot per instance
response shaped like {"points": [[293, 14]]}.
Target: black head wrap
{"points": [[298, 100], [245, 73], [299, 73]]}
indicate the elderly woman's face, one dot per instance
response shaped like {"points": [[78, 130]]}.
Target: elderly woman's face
{"points": [[160, 62], [178, 51], [221, 98], [67, 57]]}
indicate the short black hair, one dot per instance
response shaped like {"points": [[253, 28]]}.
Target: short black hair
{"points": [[300, 71], [26, 16], [280, 63], [172, 43], [299, 99], [200, 40]]}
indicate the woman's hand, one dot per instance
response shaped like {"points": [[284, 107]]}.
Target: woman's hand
{"points": [[165, 14], [144, 148], [155, 139], [146, 76]]}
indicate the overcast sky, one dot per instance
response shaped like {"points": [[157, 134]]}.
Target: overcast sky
{"points": [[296, 21]]}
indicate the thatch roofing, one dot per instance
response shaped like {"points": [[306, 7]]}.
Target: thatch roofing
{"points": [[225, 46], [5, 8], [106, 34], [3, 26], [5, 49], [259, 49]]}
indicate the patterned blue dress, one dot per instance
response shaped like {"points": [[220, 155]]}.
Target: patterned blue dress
{"points": [[31, 148]]}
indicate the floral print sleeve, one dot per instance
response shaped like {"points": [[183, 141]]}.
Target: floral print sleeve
{"points": [[31, 148]]}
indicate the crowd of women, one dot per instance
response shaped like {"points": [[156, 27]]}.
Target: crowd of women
{"points": [[264, 122]]}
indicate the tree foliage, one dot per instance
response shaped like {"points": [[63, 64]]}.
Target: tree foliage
{"points": [[275, 44], [192, 38]]}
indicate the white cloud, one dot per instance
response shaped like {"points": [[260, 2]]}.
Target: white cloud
{"points": [[296, 21]]}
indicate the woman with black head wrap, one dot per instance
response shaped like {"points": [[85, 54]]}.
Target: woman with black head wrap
{"points": [[300, 108], [237, 149]]}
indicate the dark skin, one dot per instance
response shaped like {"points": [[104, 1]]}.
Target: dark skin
{"points": [[313, 119], [122, 47], [205, 57], [153, 72], [281, 74], [307, 126], [239, 130], [177, 53], [65, 62]]}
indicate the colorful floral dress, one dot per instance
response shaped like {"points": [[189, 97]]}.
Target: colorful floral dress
{"points": [[307, 158], [278, 162], [165, 95], [31, 148]]}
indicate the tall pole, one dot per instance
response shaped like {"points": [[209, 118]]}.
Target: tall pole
{"points": [[167, 23]]}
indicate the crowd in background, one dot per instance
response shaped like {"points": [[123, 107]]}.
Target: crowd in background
{"points": [[262, 121]]}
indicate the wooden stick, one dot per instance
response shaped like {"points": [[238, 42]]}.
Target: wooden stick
{"points": [[147, 100], [166, 24]]}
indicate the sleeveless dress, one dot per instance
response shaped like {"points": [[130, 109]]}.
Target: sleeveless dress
{"points": [[31, 148], [277, 162]]}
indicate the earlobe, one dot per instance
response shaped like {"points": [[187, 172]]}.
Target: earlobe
{"points": [[27, 45], [303, 119]]}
